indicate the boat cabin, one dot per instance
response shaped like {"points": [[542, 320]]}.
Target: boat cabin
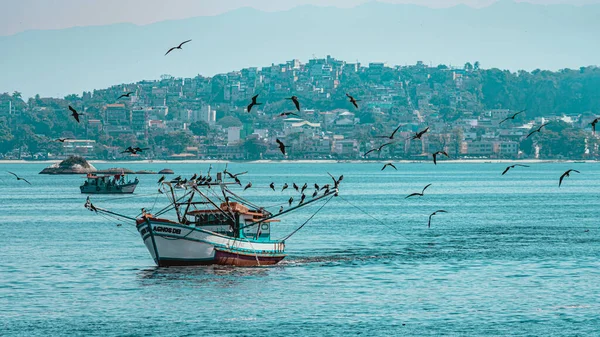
{"points": [[233, 219]]}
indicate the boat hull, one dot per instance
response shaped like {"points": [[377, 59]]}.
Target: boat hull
{"points": [[173, 244], [120, 189]]}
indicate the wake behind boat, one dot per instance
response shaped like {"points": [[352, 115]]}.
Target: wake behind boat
{"points": [[212, 225]]}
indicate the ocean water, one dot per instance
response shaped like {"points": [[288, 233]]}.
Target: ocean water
{"points": [[514, 255]]}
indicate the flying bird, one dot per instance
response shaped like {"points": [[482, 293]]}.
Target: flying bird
{"points": [[513, 116], [432, 214], [134, 150], [281, 146], [178, 47], [75, 114], [287, 114], [438, 153], [390, 165], [353, 101], [19, 178], [393, 133], [248, 186], [419, 134], [593, 123], [62, 140], [513, 166], [296, 102], [418, 194], [566, 174], [249, 108], [376, 149], [272, 186], [233, 176], [284, 187], [125, 95], [537, 130], [336, 183]]}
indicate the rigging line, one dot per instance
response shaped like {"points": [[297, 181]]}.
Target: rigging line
{"points": [[125, 197], [380, 222], [305, 222]]}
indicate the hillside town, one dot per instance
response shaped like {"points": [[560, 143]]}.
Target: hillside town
{"points": [[468, 111]]}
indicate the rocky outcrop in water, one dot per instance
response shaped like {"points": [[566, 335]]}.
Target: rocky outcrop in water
{"points": [[71, 165]]}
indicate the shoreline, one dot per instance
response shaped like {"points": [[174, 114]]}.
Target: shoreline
{"points": [[324, 161]]}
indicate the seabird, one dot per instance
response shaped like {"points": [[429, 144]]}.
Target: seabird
{"points": [[418, 194], [248, 186], [178, 47], [419, 134], [353, 101], [390, 165], [281, 146], [296, 103], [19, 178], [432, 214], [436, 154], [513, 166], [125, 95], [287, 114], [253, 103], [593, 123], [62, 140], [376, 149], [290, 201], [566, 174], [513, 116], [272, 186], [75, 114], [393, 133], [284, 187], [537, 130]]}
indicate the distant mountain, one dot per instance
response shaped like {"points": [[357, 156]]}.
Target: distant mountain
{"points": [[505, 35]]}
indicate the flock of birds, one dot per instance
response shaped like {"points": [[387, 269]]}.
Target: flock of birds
{"points": [[200, 180]]}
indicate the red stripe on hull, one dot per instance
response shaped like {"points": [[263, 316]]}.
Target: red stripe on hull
{"points": [[233, 259]]}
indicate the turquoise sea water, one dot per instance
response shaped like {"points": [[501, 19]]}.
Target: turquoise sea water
{"points": [[515, 255]]}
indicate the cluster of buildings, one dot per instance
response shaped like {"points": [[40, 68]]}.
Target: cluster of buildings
{"points": [[328, 126]]}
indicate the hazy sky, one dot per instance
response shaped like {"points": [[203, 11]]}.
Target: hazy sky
{"points": [[20, 15]]}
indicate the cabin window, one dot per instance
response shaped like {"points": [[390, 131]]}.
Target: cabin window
{"points": [[264, 227]]}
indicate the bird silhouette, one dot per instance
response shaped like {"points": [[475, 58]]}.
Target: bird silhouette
{"points": [[287, 114], [290, 201], [280, 209], [537, 130], [513, 166], [419, 134], [436, 154], [317, 187], [281, 146], [125, 95], [248, 186], [336, 183], [19, 178], [302, 199], [296, 102], [304, 187], [390, 165], [249, 108], [326, 186], [194, 177], [377, 149], [393, 133], [232, 176], [161, 179], [315, 193], [178, 47], [296, 187], [512, 117], [284, 187], [90, 206], [566, 174], [272, 186], [353, 101], [593, 124], [134, 150], [418, 194], [62, 140], [75, 114], [432, 214]]}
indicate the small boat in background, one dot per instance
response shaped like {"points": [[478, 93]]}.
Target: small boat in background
{"points": [[108, 184]]}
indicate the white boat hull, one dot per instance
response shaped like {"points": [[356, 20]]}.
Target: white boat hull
{"points": [[173, 244]]}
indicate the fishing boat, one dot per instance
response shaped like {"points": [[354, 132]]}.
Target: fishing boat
{"points": [[108, 184], [210, 224]]}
